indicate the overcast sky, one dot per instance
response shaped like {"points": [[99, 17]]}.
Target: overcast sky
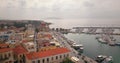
{"points": [[67, 9]]}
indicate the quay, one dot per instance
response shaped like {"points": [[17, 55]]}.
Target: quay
{"points": [[65, 43]]}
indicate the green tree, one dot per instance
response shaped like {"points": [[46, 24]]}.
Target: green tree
{"points": [[67, 60]]}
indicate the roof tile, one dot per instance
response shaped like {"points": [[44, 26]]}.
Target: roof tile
{"points": [[19, 50], [47, 53]]}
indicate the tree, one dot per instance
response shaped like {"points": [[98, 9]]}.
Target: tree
{"points": [[67, 60]]}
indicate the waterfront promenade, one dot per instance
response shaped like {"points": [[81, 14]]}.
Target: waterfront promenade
{"points": [[65, 43]]}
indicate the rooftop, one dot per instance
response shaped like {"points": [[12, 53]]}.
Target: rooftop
{"points": [[47, 53], [19, 50], [5, 50], [4, 45]]}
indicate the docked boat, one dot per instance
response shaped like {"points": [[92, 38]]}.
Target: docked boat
{"points": [[78, 47], [106, 39], [104, 59], [112, 44], [117, 44], [102, 40], [112, 38]]}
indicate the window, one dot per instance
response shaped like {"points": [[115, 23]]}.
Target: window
{"points": [[20, 56], [52, 58], [5, 56], [43, 60], [38, 61], [64, 55], [56, 57], [9, 54], [47, 59], [67, 55], [60, 56]]}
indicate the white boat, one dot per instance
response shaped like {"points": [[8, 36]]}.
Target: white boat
{"points": [[78, 47], [106, 39], [102, 40], [118, 43], [104, 59]]}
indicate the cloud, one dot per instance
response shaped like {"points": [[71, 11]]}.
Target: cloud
{"points": [[60, 8]]}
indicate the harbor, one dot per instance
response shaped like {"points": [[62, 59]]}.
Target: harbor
{"points": [[93, 48], [66, 43]]}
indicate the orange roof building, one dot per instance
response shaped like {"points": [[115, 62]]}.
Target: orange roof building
{"points": [[6, 55], [19, 50], [5, 50], [4, 46], [19, 53], [50, 56]]}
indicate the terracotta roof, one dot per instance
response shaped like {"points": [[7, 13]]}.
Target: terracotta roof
{"points": [[19, 50], [24, 41], [5, 50], [48, 35], [47, 53], [4, 45]]}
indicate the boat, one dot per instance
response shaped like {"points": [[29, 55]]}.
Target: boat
{"points": [[112, 44], [117, 44], [106, 39], [78, 47], [102, 40], [104, 59], [111, 41], [108, 60], [81, 49], [112, 38]]}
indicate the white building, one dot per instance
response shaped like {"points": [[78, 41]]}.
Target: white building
{"points": [[30, 46]]}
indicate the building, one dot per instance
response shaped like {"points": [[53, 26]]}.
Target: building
{"points": [[6, 55], [47, 48], [50, 56], [30, 29], [19, 54], [30, 46], [44, 26], [4, 46]]}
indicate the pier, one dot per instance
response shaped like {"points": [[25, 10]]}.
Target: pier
{"points": [[97, 30]]}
